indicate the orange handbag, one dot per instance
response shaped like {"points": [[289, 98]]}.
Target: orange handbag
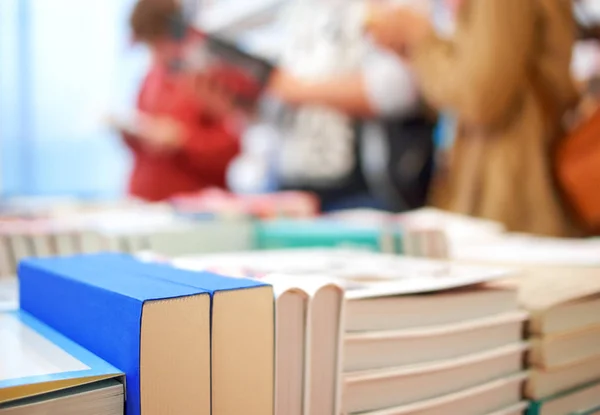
{"points": [[578, 170]]}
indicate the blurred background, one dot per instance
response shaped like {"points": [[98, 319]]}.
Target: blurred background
{"points": [[65, 62]]}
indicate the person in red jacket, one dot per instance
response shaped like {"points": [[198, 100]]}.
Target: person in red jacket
{"points": [[185, 135]]}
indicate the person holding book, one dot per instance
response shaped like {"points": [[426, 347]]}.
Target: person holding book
{"points": [[506, 64], [184, 134]]}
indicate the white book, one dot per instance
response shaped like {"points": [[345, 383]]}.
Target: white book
{"points": [[291, 306], [323, 349], [495, 397], [386, 388], [565, 348], [572, 315], [453, 306], [381, 349], [544, 383]]}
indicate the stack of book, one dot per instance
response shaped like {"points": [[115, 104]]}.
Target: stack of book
{"points": [[565, 338], [416, 336], [442, 351], [185, 342], [128, 231], [560, 287]]}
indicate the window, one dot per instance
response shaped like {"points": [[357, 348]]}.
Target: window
{"points": [[63, 63]]}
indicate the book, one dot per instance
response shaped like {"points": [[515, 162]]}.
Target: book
{"points": [[555, 296], [241, 313], [98, 398], [571, 315], [429, 310], [565, 348], [457, 227], [325, 233], [382, 349], [37, 360], [583, 399], [544, 383], [131, 322], [323, 347], [291, 307], [498, 397], [242, 74], [385, 388], [7, 267]]}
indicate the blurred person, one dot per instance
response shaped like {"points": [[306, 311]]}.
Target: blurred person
{"points": [[506, 64], [185, 131], [357, 133]]}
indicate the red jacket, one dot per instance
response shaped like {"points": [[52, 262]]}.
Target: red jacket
{"points": [[209, 145]]}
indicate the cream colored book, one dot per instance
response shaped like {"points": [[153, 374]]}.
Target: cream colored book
{"points": [[565, 348], [558, 298], [378, 350], [291, 307], [429, 310], [385, 388], [571, 315], [544, 383], [7, 266], [502, 396], [323, 374]]}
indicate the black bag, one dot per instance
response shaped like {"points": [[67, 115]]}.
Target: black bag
{"points": [[397, 159]]}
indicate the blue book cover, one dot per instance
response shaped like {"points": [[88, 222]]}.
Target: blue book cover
{"points": [[35, 360], [242, 313], [105, 310]]}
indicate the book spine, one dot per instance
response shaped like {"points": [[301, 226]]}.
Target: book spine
{"points": [[102, 321]]}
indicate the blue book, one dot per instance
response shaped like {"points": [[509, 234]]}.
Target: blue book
{"points": [[156, 332], [242, 337], [36, 360]]}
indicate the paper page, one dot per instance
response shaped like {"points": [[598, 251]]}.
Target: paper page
{"points": [[25, 353], [362, 274]]}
